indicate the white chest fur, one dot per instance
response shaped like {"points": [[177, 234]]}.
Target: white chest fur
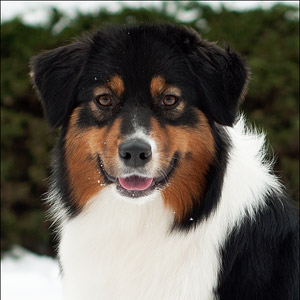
{"points": [[117, 250]]}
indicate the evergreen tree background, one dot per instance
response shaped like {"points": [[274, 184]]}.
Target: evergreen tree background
{"points": [[269, 39]]}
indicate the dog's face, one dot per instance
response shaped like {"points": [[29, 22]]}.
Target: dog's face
{"points": [[138, 106]]}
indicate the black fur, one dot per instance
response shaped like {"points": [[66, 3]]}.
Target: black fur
{"points": [[260, 259], [261, 256]]}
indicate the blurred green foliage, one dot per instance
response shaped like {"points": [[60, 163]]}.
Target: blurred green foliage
{"points": [[269, 39]]}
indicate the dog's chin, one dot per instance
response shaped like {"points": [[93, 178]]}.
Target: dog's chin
{"points": [[134, 196]]}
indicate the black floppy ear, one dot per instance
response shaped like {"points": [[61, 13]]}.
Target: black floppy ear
{"points": [[222, 77], [55, 74]]}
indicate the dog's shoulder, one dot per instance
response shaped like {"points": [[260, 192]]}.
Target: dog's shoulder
{"points": [[260, 257]]}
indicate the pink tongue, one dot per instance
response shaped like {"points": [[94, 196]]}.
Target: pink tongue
{"points": [[135, 183]]}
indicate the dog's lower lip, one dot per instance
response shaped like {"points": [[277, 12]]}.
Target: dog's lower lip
{"points": [[135, 183]]}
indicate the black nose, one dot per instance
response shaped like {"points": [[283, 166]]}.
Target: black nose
{"points": [[135, 153]]}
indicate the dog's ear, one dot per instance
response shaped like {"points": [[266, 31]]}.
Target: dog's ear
{"points": [[222, 77], [55, 74]]}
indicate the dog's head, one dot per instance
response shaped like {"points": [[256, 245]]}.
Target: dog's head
{"points": [[138, 106]]}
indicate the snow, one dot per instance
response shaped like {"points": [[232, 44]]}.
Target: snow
{"points": [[28, 276]]}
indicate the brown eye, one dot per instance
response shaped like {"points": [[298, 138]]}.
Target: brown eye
{"points": [[104, 100], [169, 100]]}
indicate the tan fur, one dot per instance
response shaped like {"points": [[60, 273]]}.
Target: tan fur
{"points": [[116, 85], [196, 148], [82, 146], [157, 86]]}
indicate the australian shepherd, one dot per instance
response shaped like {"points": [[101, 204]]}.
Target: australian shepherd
{"points": [[158, 190]]}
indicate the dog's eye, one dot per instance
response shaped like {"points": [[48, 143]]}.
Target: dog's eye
{"points": [[104, 100], [169, 100]]}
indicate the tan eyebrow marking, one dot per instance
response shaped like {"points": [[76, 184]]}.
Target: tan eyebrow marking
{"points": [[116, 84], [158, 86]]}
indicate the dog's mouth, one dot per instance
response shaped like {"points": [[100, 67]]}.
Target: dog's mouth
{"points": [[136, 186], [135, 183]]}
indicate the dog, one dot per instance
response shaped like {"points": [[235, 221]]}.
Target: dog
{"points": [[158, 188]]}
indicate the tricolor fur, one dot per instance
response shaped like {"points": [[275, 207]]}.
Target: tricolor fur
{"points": [[158, 191]]}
